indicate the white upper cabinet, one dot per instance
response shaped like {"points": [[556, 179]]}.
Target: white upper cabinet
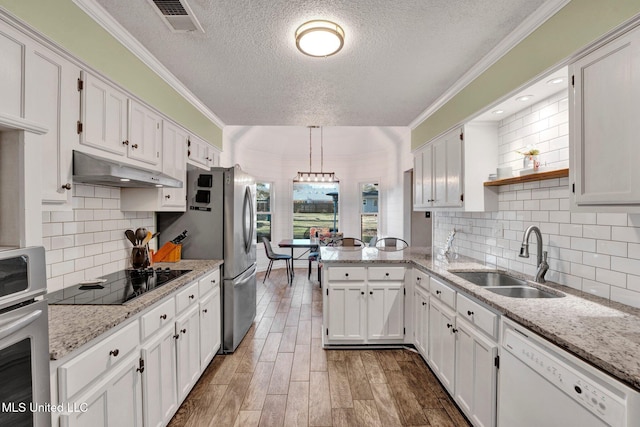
{"points": [[12, 52], [145, 134], [450, 171], [121, 128], [604, 108], [52, 100], [200, 153], [103, 116]]}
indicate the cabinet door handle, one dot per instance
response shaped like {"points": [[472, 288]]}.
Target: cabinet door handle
{"points": [[438, 292], [424, 303], [184, 331], [205, 310], [191, 296], [67, 186], [140, 366], [125, 142], [168, 196], [114, 353], [134, 146], [469, 313], [213, 281], [176, 336], [419, 279], [370, 292], [361, 292], [449, 325], [163, 316], [454, 330]]}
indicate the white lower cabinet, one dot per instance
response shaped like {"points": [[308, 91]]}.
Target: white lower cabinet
{"points": [[188, 345], [114, 402], [421, 320], [364, 305], [209, 327], [139, 374], [442, 343], [476, 375], [347, 312], [159, 380]]}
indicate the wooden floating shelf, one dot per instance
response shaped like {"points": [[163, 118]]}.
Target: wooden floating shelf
{"points": [[536, 176]]}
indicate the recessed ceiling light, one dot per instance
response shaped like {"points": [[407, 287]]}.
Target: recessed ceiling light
{"points": [[497, 112], [555, 81], [125, 179], [158, 185], [319, 38], [524, 98]]}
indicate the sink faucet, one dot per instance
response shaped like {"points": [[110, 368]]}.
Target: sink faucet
{"points": [[542, 256]]}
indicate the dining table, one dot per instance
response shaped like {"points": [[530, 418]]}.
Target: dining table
{"points": [[308, 244]]}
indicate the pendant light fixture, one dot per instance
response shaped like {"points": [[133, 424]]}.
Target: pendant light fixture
{"points": [[312, 176], [319, 38]]}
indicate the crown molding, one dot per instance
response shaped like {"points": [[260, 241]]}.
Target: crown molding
{"points": [[109, 24], [522, 31]]}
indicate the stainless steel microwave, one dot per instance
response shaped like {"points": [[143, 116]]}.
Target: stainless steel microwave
{"points": [[22, 275]]}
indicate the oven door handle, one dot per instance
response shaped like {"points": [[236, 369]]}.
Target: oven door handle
{"points": [[18, 324]]}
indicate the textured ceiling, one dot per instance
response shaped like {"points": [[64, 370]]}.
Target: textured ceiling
{"points": [[399, 56]]}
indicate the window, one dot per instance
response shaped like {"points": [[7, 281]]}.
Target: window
{"points": [[369, 211], [314, 205], [263, 210]]}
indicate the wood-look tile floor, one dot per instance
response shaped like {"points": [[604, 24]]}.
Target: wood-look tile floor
{"points": [[281, 376]]}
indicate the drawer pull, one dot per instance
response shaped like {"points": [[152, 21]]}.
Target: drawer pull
{"points": [[346, 274], [361, 292], [419, 279], [213, 281], [438, 292], [205, 311], [469, 312], [370, 292], [114, 353], [191, 296], [184, 331], [163, 316], [424, 303]]}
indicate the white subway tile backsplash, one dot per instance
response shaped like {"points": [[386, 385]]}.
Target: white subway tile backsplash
{"points": [[596, 253], [89, 241]]}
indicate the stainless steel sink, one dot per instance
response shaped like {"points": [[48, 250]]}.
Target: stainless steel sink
{"points": [[503, 284], [490, 278], [523, 292]]}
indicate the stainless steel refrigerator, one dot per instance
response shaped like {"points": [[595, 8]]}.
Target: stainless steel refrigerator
{"points": [[220, 220]]}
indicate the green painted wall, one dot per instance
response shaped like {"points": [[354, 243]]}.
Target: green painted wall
{"points": [[575, 26], [68, 26]]}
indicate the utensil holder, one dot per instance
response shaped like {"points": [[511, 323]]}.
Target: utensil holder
{"points": [[139, 257]]}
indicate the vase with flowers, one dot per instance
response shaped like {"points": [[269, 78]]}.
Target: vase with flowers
{"points": [[530, 159]]}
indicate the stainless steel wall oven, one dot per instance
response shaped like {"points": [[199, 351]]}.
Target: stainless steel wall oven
{"points": [[24, 339]]}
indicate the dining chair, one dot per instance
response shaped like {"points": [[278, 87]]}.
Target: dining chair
{"points": [[391, 242], [276, 257], [349, 242], [315, 256]]}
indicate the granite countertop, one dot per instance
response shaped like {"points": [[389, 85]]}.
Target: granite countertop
{"points": [[71, 326], [602, 332]]}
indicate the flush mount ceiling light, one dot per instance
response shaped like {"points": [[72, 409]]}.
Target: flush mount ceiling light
{"points": [[319, 38], [321, 176], [497, 111], [524, 98]]}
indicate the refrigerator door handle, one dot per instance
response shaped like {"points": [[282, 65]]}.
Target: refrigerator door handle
{"points": [[247, 223], [246, 275]]}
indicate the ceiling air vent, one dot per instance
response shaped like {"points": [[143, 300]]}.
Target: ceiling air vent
{"points": [[177, 15]]}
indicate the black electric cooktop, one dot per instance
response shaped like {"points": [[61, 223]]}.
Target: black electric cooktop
{"points": [[115, 288]]}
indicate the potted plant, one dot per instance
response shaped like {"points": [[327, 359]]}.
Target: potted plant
{"points": [[530, 158]]}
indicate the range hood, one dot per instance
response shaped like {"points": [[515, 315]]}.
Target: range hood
{"points": [[89, 169]]}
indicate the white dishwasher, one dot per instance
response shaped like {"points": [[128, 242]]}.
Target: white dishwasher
{"points": [[541, 385]]}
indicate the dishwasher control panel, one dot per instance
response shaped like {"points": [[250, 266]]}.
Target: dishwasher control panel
{"points": [[594, 396]]}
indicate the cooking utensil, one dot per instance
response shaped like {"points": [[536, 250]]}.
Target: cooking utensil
{"points": [[141, 233], [131, 236], [147, 238]]}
